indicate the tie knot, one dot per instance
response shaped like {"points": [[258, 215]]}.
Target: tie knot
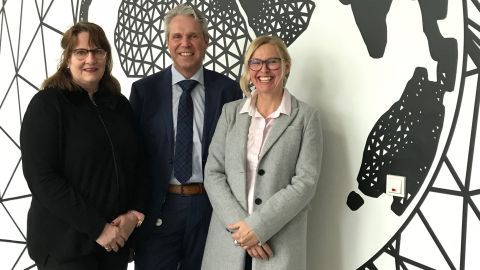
{"points": [[187, 85]]}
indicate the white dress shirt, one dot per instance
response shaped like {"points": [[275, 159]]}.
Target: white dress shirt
{"points": [[198, 98]]}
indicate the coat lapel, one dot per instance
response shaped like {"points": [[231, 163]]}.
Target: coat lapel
{"points": [[241, 130], [280, 125]]}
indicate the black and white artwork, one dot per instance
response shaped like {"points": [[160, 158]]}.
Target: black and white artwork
{"points": [[404, 140], [396, 82]]}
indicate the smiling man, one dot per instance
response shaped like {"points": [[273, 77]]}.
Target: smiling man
{"points": [[176, 112]]}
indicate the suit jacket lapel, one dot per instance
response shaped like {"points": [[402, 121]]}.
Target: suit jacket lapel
{"points": [[164, 104], [209, 115], [281, 123]]}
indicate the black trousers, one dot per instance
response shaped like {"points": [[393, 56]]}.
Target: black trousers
{"points": [[248, 262], [100, 260]]}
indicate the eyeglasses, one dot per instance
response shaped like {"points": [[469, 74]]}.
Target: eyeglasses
{"points": [[81, 54], [271, 63]]}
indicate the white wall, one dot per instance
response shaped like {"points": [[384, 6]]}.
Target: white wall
{"points": [[332, 71]]}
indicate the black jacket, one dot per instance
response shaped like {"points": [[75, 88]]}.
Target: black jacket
{"points": [[81, 163]]}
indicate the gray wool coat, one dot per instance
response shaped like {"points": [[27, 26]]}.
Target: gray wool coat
{"points": [[291, 160]]}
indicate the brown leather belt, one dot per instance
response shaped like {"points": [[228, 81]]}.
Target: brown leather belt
{"points": [[187, 189]]}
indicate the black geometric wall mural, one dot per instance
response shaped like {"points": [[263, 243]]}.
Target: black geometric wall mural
{"points": [[404, 140], [452, 187], [139, 35]]}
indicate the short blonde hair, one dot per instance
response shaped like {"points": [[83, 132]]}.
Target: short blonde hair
{"points": [[256, 43]]}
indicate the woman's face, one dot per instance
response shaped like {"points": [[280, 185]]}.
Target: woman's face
{"points": [[87, 63], [266, 69]]}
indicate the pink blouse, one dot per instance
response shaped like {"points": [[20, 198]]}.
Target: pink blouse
{"points": [[258, 132]]}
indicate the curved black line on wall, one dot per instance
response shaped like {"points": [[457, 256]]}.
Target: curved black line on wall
{"points": [[141, 45], [405, 138], [84, 6]]}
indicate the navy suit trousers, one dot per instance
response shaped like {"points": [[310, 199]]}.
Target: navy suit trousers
{"points": [[178, 243]]}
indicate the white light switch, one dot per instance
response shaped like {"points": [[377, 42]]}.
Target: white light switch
{"points": [[395, 185]]}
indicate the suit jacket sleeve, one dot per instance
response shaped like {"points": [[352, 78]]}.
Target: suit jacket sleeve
{"points": [[40, 139], [285, 204], [137, 188], [139, 201], [224, 203], [136, 103]]}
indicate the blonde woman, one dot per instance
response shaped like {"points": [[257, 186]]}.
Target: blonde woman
{"points": [[263, 167]]}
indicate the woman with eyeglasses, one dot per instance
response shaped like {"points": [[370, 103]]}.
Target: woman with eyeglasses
{"points": [[262, 169], [81, 161]]}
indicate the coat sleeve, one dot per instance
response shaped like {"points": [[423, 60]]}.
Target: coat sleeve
{"points": [[41, 140], [137, 189], [224, 203], [285, 204]]}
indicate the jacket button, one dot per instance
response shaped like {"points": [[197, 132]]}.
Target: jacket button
{"points": [[261, 172], [159, 222], [258, 201]]}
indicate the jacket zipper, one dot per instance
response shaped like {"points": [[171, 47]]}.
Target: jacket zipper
{"points": [[115, 165]]}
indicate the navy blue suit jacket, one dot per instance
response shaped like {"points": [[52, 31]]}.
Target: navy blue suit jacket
{"points": [[151, 100]]}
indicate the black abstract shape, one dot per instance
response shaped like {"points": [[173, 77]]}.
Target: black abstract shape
{"points": [[461, 190], [443, 50], [370, 16], [286, 19], [142, 49], [404, 140], [84, 6], [354, 201]]}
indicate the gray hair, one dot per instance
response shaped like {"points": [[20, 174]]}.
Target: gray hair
{"points": [[188, 10]]}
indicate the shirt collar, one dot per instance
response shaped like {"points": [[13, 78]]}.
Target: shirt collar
{"points": [[285, 106], [177, 76]]}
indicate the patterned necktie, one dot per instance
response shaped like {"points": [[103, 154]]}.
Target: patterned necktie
{"points": [[184, 140]]}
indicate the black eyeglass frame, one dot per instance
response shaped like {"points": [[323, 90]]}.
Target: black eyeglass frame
{"points": [[82, 53], [267, 62]]}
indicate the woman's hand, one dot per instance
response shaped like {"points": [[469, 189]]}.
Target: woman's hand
{"points": [[111, 238], [263, 252], [126, 223], [243, 234]]}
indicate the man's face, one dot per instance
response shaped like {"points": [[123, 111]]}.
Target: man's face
{"points": [[187, 44]]}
